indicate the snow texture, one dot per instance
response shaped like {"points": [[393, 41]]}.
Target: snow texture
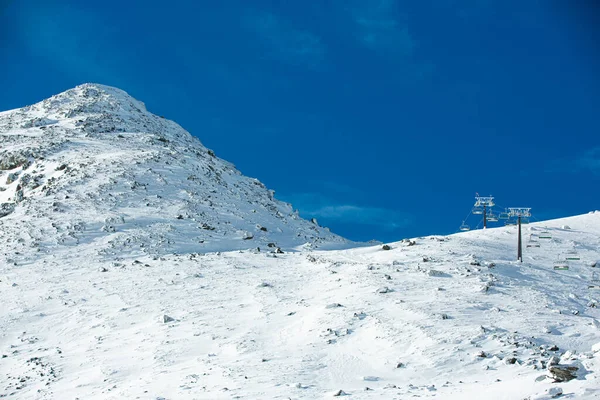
{"points": [[130, 269]]}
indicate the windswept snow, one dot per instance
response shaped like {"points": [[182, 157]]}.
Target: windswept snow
{"points": [[130, 269]]}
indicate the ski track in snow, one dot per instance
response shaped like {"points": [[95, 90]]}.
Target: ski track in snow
{"points": [[96, 256]]}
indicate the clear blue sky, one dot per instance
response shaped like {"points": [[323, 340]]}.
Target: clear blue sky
{"points": [[381, 118]]}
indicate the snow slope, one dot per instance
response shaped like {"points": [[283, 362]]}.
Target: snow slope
{"points": [[92, 165], [106, 294]]}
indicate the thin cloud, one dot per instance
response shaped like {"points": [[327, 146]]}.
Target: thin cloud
{"points": [[286, 43], [318, 206], [72, 46], [590, 160], [378, 27]]}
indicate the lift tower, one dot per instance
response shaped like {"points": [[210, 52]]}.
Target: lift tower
{"points": [[481, 205], [519, 212]]}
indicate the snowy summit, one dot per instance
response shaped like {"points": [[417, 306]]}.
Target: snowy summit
{"points": [[136, 264], [93, 165]]}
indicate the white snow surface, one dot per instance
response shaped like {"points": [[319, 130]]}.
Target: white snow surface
{"points": [[107, 293]]}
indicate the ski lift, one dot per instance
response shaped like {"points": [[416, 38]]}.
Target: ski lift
{"points": [[545, 235], [572, 256], [595, 282], [492, 217], [509, 222], [561, 265], [503, 215], [464, 227], [477, 210], [524, 221], [532, 242]]}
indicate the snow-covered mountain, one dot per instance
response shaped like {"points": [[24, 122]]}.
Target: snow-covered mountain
{"points": [[92, 165], [115, 282]]}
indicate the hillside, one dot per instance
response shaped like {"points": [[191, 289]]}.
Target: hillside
{"points": [[92, 165], [130, 269]]}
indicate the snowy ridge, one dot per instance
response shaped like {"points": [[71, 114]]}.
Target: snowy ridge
{"points": [[92, 165], [108, 293]]}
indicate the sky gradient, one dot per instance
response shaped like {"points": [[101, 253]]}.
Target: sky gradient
{"points": [[380, 118]]}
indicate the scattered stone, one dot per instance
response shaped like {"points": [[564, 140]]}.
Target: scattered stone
{"points": [[510, 360], [370, 378], [553, 360], [334, 305], [400, 365], [386, 247], [434, 272], [339, 392], [6, 208], [553, 348], [388, 277], [167, 319], [444, 316], [562, 373], [265, 284], [103, 269], [384, 289], [482, 354], [554, 392]]}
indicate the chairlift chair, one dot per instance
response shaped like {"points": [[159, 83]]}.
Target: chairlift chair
{"points": [[509, 222], [561, 265], [492, 217], [477, 210], [545, 235], [464, 227], [595, 282], [503, 215], [532, 242], [572, 256]]}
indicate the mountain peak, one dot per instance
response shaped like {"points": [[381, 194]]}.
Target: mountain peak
{"points": [[90, 98], [94, 164]]}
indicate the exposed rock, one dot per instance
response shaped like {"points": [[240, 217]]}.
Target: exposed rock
{"points": [[6, 208], [562, 373], [12, 161], [386, 247], [167, 319], [12, 177], [334, 305], [340, 393], [384, 289]]}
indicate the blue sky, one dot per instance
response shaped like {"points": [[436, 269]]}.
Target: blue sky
{"points": [[380, 118]]}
